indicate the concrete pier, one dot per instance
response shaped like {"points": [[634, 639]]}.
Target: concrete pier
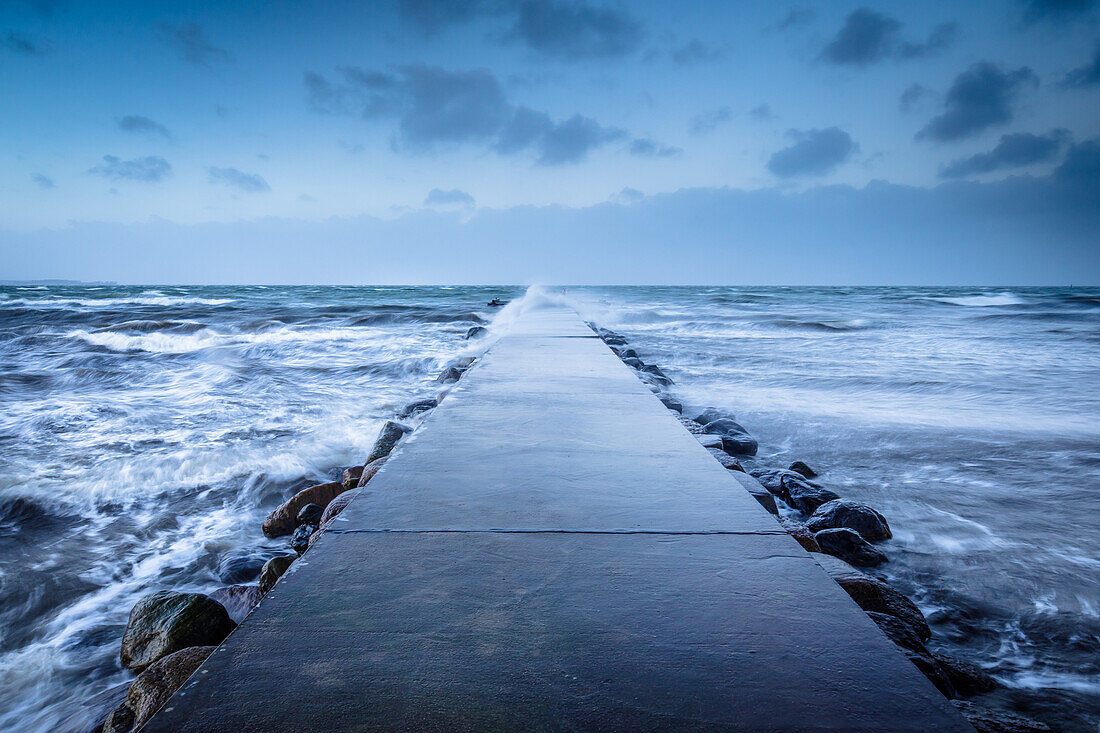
{"points": [[551, 550]]}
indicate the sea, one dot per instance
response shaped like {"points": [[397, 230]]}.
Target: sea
{"points": [[146, 431]]}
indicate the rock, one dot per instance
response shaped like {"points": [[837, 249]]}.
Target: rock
{"points": [[849, 547], [388, 436], [476, 332], [237, 600], [273, 570], [242, 566], [370, 470], [284, 519], [871, 594], [739, 445], [299, 541], [726, 459], [906, 639], [806, 497], [802, 469], [338, 505], [350, 479], [450, 375], [724, 426], [614, 340], [758, 492], [628, 354], [779, 481], [691, 426], [121, 720], [711, 441], [633, 362], [987, 720], [655, 378], [673, 405], [415, 408], [155, 685], [711, 414], [656, 371], [310, 514], [165, 622], [802, 535], [966, 677], [853, 515]]}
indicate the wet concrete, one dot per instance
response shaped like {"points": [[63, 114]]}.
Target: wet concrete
{"points": [[551, 550]]}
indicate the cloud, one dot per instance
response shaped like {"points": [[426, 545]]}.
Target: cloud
{"points": [[44, 182], [21, 44], [705, 122], [439, 197], [189, 40], [1087, 75], [796, 18], [572, 30], [695, 52], [762, 113], [571, 141], [150, 169], [627, 196], [1055, 10], [942, 37], [435, 107], [247, 182], [432, 16], [868, 37], [912, 97], [646, 148], [1020, 230], [1013, 151], [980, 97], [139, 124], [814, 153]]}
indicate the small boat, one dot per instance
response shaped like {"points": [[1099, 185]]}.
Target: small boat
{"points": [[496, 302]]}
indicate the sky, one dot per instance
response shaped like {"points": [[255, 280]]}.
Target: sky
{"points": [[570, 141]]}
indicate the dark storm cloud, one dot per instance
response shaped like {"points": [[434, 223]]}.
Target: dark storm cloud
{"points": [[573, 30], [869, 36], [1087, 75], [814, 152], [708, 121], [1013, 151], [1081, 169], [762, 113], [19, 43], [913, 95], [247, 182], [980, 97], [192, 44], [43, 181], [694, 52], [439, 197], [1055, 10], [140, 124], [150, 169], [434, 107]]}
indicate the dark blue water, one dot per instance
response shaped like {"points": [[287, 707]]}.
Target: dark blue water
{"points": [[144, 433]]}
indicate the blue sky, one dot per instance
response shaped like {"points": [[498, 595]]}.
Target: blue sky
{"points": [[417, 121]]}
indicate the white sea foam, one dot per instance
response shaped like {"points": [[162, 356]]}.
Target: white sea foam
{"points": [[985, 301]]}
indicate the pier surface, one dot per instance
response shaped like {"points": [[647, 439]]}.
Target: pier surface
{"points": [[551, 550]]}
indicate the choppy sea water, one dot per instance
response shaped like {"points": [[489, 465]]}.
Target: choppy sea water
{"points": [[145, 432]]}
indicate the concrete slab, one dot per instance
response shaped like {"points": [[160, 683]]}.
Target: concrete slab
{"points": [[551, 550]]}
